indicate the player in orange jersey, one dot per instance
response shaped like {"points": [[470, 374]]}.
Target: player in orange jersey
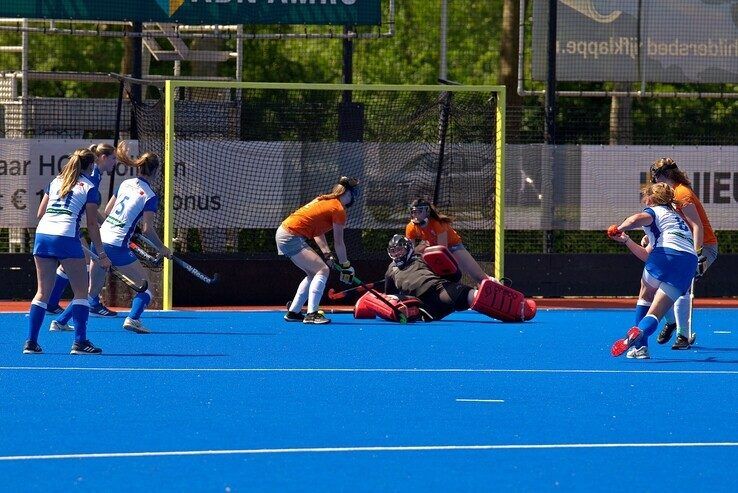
{"points": [[325, 213], [428, 227]]}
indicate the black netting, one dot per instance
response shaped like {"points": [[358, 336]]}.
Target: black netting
{"points": [[247, 158]]}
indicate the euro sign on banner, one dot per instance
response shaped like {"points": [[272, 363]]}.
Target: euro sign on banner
{"points": [[202, 12]]}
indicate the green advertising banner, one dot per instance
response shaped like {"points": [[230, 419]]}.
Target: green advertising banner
{"points": [[342, 12]]}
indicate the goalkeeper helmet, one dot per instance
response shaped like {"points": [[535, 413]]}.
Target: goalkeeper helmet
{"points": [[400, 250]]}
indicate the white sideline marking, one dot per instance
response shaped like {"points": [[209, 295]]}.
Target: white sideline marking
{"points": [[407, 448], [368, 370], [480, 400], [721, 332]]}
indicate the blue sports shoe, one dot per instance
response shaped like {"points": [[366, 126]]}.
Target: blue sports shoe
{"points": [[101, 310]]}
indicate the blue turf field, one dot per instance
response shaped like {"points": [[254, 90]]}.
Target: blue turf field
{"points": [[241, 401]]}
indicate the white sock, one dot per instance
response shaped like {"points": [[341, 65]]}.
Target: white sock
{"points": [[301, 296], [683, 314], [317, 285]]}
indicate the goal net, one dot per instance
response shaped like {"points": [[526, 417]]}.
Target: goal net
{"points": [[243, 156]]}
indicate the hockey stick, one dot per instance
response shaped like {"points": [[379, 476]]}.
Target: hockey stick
{"points": [[126, 280], [145, 257], [339, 295], [192, 270]]}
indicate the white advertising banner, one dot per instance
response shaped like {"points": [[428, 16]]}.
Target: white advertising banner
{"points": [[612, 177], [28, 165]]}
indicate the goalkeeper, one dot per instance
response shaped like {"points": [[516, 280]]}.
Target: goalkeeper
{"points": [[440, 295], [313, 220]]}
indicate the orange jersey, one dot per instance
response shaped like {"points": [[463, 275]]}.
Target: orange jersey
{"points": [[315, 218], [684, 195], [430, 232]]}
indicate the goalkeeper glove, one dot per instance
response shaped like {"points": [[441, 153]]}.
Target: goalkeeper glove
{"points": [[346, 273]]}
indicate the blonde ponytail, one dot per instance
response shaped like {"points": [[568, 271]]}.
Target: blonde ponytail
{"points": [[80, 160]]}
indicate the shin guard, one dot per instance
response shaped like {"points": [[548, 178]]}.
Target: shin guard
{"points": [[503, 303], [369, 306]]}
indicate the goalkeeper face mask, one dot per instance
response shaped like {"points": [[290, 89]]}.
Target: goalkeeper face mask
{"points": [[400, 250]]}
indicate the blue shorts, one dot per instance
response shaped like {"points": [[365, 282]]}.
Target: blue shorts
{"points": [[118, 255], [672, 267], [59, 247], [289, 244]]}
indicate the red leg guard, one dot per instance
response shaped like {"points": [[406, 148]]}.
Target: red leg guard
{"points": [[441, 261], [503, 303], [369, 306]]}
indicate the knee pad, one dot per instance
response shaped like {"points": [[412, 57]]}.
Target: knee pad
{"points": [[370, 306], [503, 303], [441, 261]]}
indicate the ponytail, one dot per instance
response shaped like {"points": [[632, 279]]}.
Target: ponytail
{"points": [[343, 185], [80, 161], [147, 163]]}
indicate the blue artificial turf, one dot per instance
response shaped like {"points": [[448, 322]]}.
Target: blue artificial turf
{"points": [[244, 401]]}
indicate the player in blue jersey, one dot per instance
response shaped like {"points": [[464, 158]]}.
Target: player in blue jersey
{"points": [[71, 194], [104, 163], [134, 203], [671, 262]]}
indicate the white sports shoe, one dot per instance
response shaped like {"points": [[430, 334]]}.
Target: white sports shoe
{"points": [[638, 353], [135, 325], [59, 327]]}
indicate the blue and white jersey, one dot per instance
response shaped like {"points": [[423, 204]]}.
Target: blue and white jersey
{"points": [[96, 175], [133, 197], [63, 214], [668, 229]]}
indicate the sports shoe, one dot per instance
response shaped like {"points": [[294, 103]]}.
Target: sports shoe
{"points": [[85, 347], [316, 318], [638, 353], [54, 310], [135, 325], [293, 317], [683, 342], [31, 347], [102, 310], [59, 327], [666, 333], [622, 345]]}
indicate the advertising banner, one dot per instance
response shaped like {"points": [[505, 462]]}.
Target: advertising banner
{"points": [[612, 177], [654, 41], [28, 165], [197, 12]]}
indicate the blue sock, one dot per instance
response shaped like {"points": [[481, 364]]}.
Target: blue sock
{"points": [[36, 315], [80, 314], [642, 307], [64, 317], [648, 325], [139, 304], [61, 283], [93, 300]]}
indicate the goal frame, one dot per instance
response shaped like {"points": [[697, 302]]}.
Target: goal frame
{"points": [[170, 91]]}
